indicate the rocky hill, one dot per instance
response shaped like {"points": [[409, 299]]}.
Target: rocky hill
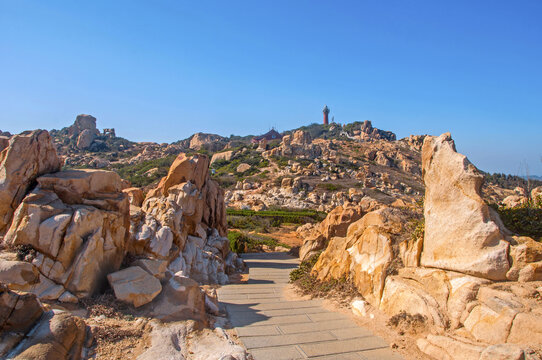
{"points": [[105, 241], [316, 166]]}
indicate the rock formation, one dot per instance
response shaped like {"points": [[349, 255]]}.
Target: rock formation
{"points": [[28, 155], [368, 132], [447, 276], [336, 223], [210, 142], [54, 334], [462, 233], [77, 224], [183, 221]]}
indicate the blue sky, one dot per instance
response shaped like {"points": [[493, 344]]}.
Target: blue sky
{"points": [[162, 70]]}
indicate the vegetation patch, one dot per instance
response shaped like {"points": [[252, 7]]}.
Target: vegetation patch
{"points": [[261, 221], [145, 172], [404, 322], [341, 289], [524, 220], [241, 242], [330, 187]]}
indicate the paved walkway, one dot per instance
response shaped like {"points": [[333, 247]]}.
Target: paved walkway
{"points": [[274, 328]]}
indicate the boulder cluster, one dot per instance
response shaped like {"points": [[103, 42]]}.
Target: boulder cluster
{"points": [[68, 234], [476, 285]]}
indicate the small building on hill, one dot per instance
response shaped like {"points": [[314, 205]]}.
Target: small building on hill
{"points": [[271, 135]]}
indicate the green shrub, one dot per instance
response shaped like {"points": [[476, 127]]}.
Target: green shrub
{"points": [[253, 220], [330, 187], [304, 268], [524, 220], [136, 173], [245, 242], [342, 289]]}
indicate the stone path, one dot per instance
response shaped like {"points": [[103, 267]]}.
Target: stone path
{"points": [[274, 328]]}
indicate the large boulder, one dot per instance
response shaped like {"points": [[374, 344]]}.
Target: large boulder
{"points": [[58, 335], [194, 169], [83, 122], [462, 233], [28, 155], [77, 222], [181, 299], [18, 312], [134, 285], [85, 139]]}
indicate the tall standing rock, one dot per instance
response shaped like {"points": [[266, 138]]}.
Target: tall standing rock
{"points": [[462, 233], [28, 155]]}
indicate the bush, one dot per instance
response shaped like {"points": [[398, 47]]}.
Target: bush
{"points": [[342, 289], [136, 173], [524, 220], [256, 220], [244, 242], [330, 187], [304, 268]]}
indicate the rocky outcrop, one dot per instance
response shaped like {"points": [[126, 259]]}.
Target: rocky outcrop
{"points": [[83, 122], [209, 142], [77, 224], [28, 155], [372, 247], [462, 233], [85, 139], [135, 196], [368, 132], [58, 335], [446, 276], [183, 221], [336, 223], [222, 156], [28, 332]]}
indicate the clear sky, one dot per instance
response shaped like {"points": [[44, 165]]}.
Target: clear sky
{"points": [[162, 70]]}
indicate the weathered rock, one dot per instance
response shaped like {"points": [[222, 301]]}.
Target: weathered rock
{"points": [[134, 285], [210, 142], [156, 268], [76, 245], [536, 194], [18, 275], [525, 254], [366, 253], [83, 122], [301, 137], [336, 223], [462, 233], [526, 329], [58, 335], [18, 312], [243, 167], [85, 139], [99, 188], [181, 299], [135, 196], [444, 347], [194, 169], [222, 156], [29, 155]]}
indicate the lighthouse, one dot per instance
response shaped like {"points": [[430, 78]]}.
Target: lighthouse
{"points": [[326, 113]]}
